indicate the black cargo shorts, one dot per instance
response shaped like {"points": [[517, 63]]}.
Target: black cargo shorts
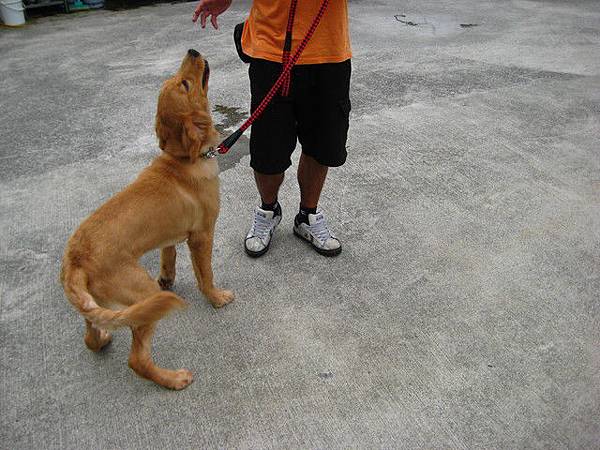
{"points": [[315, 112]]}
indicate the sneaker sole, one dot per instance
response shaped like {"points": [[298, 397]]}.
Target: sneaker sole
{"points": [[332, 252]]}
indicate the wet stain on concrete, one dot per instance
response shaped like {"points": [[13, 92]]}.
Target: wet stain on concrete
{"points": [[233, 116], [227, 119]]}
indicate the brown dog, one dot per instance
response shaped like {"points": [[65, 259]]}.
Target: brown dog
{"points": [[174, 199]]}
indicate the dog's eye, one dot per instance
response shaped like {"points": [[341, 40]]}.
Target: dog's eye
{"points": [[186, 85]]}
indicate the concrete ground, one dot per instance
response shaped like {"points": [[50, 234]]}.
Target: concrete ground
{"points": [[464, 311]]}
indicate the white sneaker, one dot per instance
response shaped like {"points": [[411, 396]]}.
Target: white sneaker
{"points": [[259, 237], [317, 233]]}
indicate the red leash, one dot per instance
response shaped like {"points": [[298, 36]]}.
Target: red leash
{"points": [[283, 81]]}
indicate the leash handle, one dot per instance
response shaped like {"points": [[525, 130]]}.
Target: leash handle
{"points": [[287, 47], [224, 146]]}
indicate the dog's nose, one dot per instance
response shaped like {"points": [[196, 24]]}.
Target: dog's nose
{"points": [[193, 53]]}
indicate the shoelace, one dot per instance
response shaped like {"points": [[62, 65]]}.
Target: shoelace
{"points": [[261, 226], [320, 230]]}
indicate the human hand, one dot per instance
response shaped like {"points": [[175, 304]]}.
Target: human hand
{"points": [[212, 9]]}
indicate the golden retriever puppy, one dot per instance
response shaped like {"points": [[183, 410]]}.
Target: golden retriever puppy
{"points": [[175, 199]]}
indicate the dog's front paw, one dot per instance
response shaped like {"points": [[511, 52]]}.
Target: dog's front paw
{"points": [[219, 297], [182, 379], [165, 283]]}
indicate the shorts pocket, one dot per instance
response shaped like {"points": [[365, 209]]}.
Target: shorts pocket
{"points": [[345, 107]]}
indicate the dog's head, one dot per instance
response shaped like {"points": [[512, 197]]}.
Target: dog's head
{"points": [[183, 123]]}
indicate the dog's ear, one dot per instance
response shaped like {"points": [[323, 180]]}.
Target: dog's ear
{"points": [[193, 138], [162, 131]]}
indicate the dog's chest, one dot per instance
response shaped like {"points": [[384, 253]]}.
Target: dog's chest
{"points": [[201, 200], [205, 169]]}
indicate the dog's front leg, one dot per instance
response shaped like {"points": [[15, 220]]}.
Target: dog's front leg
{"points": [[200, 245], [167, 267]]}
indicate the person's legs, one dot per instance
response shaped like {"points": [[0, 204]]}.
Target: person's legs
{"points": [[309, 223], [272, 142], [268, 186], [322, 114], [311, 178], [316, 113]]}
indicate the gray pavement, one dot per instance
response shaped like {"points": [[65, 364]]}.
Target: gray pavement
{"points": [[464, 311]]}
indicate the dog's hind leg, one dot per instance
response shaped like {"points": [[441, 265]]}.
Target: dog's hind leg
{"points": [[127, 285], [140, 360], [167, 268], [96, 339], [136, 285]]}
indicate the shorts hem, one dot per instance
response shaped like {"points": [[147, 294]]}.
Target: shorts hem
{"points": [[327, 163], [264, 170]]}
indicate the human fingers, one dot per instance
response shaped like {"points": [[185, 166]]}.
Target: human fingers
{"points": [[198, 10]]}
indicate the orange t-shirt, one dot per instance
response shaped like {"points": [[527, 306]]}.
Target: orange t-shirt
{"points": [[264, 31]]}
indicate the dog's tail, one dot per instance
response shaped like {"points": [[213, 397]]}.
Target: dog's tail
{"points": [[147, 311]]}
